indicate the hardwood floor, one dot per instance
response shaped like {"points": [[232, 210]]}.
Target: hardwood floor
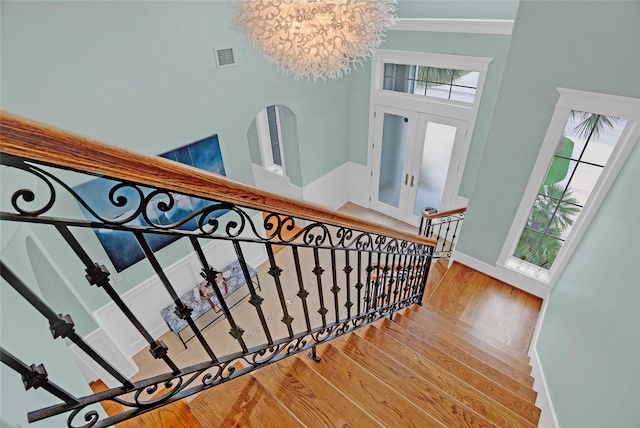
{"points": [[492, 307]]}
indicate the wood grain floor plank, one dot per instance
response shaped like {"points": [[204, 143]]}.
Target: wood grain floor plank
{"points": [[438, 331], [241, 402], [477, 333], [418, 338], [314, 401], [459, 370], [485, 397], [405, 381], [493, 307], [368, 392], [416, 379]]}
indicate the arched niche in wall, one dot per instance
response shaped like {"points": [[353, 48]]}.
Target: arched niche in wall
{"points": [[273, 147]]}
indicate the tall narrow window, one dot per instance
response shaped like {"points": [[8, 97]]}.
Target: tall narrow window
{"points": [[589, 138], [579, 159]]}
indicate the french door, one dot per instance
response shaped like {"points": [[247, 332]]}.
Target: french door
{"points": [[416, 162]]}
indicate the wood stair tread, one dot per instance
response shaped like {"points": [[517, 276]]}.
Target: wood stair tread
{"points": [[423, 339], [369, 343], [241, 402], [433, 400], [442, 370], [477, 333], [486, 353], [311, 398], [372, 395], [458, 380]]}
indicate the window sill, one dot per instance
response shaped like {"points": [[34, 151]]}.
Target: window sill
{"points": [[527, 269]]}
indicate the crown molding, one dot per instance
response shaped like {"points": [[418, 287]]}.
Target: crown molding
{"points": [[474, 26]]}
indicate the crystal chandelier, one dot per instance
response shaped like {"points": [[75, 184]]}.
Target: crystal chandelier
{"points": [[315, 38]]}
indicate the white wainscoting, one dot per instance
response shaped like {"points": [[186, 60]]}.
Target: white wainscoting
{"points": [[147, 299], [100, 341], [330, 190], [270, 181], [359, 184]]}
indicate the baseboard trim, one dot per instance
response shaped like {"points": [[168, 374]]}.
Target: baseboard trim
{"points": [[548, 417]]}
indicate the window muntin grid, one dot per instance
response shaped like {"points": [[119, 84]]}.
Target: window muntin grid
{"points": [[582, 153], [442, 83]]}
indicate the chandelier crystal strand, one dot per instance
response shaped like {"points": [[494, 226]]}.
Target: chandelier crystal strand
{"points": [[315, 38]]}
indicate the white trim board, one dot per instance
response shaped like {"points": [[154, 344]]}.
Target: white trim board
{"points": [[441, 25], [329, 190], [548, 417]]}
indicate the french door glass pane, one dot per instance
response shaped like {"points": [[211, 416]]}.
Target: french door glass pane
{"points": [[394, 140], [436, 155]]}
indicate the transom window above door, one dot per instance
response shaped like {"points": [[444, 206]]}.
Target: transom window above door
{"points": [[443, 83]]}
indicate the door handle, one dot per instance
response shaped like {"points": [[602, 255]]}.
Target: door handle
{"points": [[412, 181], [406, 179]]}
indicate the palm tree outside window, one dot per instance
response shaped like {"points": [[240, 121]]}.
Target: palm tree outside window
{"points": [[579, 159]]}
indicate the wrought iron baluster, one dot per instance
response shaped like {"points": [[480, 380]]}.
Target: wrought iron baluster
{"points": [[60, 326], [416, 274], [255, 299], [376, 284], [35, 377], [359, 284], [391, 278], [275, 272], [368, 292], [390, 282], [302, 293], [98, 275], [317, 270], [210, 275], [446, 235], [335, 289], [182, 310], [409, 276], [400, 269], [347, 270]]}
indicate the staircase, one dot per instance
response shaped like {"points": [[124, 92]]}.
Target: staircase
{"points": [[422, 370]]}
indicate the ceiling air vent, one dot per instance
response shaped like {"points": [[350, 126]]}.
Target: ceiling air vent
{"points": [[224, 57]]}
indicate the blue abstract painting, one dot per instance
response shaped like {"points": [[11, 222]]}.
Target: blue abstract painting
{"points": [[122, 247]]}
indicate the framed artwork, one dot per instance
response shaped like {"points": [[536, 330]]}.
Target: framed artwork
{"points": [[121, 247]]}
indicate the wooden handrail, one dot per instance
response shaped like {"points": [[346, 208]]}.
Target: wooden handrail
{"points": [[32, 140], [429, 216]]}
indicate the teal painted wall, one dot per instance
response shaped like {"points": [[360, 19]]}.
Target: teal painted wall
{"points": [[487, 46], [589, 340], [572, 44], [589, 343], [141, 75]]}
